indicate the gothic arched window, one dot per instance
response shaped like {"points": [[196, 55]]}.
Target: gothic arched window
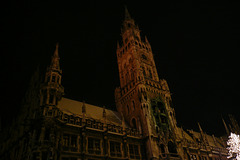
{"points": [[133, 104], [144, 72], [127, 109], [134, 123], [150, 73], [172, 147], [162, 150]]}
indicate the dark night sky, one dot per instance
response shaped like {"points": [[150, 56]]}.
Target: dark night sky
{"points": [[195, 46]]}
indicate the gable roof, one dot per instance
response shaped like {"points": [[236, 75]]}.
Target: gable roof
{"points": [[73, 107]]}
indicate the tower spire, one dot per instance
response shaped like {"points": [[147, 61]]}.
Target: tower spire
{"points": [[226, 128], [127, 15], [52, 90], [200, 128], [55, 59]]}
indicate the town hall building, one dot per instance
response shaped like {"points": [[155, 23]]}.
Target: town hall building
{"points": [[143, 127]]}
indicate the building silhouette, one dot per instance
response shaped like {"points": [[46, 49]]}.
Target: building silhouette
{"points": [[52, 127]]}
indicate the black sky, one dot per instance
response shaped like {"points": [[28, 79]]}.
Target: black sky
{"points": [[195, 46]]}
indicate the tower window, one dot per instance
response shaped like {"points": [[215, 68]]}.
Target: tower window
{"points": [[134, 123], [47, 134], [172, 147], [163, 119], [133, 104], [144, 72], [48, 78], [53, 78], [162, 150], [127, 109], [132, 75], [150, 73], [51, 97]]}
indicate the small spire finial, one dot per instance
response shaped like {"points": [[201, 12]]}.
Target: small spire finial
{"points": [[226, 128], [55, 58], [146, 40], [127, 15], [56, 50], [200, 128], [123, 120], [84, 108], [104, 112]]}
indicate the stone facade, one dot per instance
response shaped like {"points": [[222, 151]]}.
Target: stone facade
{"points": [[52, 127]]}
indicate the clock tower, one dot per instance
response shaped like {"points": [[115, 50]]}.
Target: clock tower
{"points": [[142, 98]]}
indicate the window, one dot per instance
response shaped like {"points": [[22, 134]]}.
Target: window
{"points": [[162, 150], [53, 78], [150, 73], [133, 151], [172, 147], [133, 104], [134, 123], [47, 134], [115, 149], [51, 99], [66, 140], [70, 142], [127, 109], [132, 75], [48, 79], [94, 146], [73, 141], [163, 119], [144, 72]]}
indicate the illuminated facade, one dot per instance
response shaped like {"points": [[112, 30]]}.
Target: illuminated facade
{"points": [[144, 126]]}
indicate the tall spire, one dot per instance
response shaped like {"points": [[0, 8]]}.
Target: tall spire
{"points": [[127, 15], [226, 128], [200, 128], [55, 59], [104, 112], [83, 110]]}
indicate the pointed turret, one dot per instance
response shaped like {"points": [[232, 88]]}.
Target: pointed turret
{"points": [[84, 108], [226, 128], [182, 131], [128, 23], [104, 112], [146, 40], [55, 59], [52, 90], [127, 15], [203, 134], [84, 111], [200, 128]]}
